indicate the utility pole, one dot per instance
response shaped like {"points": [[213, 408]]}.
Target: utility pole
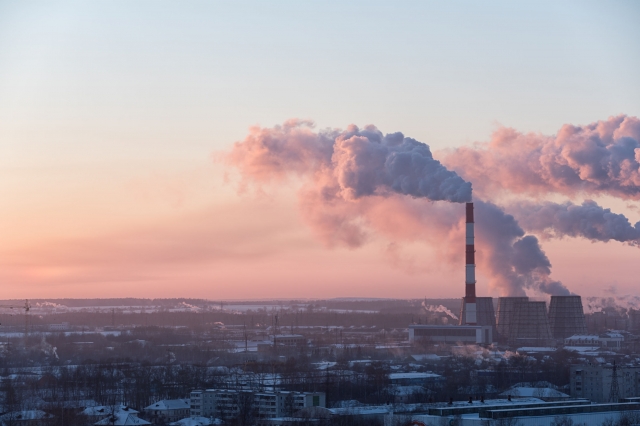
{"points": [[27, 307]]}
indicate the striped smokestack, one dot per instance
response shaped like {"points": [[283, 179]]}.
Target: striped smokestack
{"points": [[470, 271]]}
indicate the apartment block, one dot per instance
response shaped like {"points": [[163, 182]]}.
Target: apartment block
{"points": [[593, 382], [227, 404]]}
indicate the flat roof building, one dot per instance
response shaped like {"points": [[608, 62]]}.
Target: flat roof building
{"points": [[453, 334]]}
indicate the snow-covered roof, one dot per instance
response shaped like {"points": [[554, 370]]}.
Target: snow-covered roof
{"points": [[426, 357], [25, 415], [584, 336], [122, 419], [534, 392], [365, 410], [414, 375], [169, 404], [536, 349], [105, 410], [196, 421], [585, 350]]}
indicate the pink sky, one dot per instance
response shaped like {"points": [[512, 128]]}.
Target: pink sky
{"points": [[191, 234]]}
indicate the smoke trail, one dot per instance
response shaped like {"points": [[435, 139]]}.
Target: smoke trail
{"points": [[620, 304], [599, 158], [513, 260], [349, 164], [355, 181], [588, 220], [439, 309]]}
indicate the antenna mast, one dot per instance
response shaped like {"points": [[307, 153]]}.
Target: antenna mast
{"points": [[614, 394]]}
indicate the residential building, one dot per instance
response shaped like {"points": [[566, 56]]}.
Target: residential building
{"points": [[225, 404], [593, 382]]}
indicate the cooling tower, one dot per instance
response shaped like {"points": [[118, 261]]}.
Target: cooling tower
{"points": [[566, 317], [506, 307], [485, 314], [529, 323]]}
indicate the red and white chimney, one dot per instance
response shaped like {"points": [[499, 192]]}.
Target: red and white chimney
{"points": [[470, 271]]}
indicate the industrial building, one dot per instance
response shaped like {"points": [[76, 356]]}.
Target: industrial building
{"points": [[452, 334], [521, 411]]}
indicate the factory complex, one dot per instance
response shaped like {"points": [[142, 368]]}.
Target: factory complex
{"points": [[519, 321]]}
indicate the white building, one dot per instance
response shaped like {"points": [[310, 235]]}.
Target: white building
{"points": [[594, 382], [64, 326], [226, 404], [611, 339]]}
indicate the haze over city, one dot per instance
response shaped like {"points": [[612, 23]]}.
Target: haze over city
{"points": [[129, 132]]}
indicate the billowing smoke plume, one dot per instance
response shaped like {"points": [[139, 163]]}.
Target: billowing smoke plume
{"points": [[357, 181], [349, 164], [599, 158], [514, 261], [588, 220]]}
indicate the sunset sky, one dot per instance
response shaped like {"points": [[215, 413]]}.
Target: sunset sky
{"points": [[116, 118]]}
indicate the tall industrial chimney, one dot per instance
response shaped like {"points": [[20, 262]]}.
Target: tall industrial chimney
{"points": [[470, 272]]}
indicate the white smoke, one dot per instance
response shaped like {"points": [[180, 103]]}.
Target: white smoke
{"points": [[438, 309], [188, 306], [619, 303], [50, 305]]}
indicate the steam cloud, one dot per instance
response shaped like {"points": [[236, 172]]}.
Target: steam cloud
{"points": [[599, 158], [588, 220], [353, 163], [439, 309], [514, 260], [357, 180]]}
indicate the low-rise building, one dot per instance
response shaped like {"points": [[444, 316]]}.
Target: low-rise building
{"points": [[291, 340], [610, 339], [64, 326], [415, 378], [452, 334], [168, 410]]}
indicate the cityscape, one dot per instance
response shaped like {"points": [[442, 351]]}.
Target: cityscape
{"points": [[336, 213]]}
